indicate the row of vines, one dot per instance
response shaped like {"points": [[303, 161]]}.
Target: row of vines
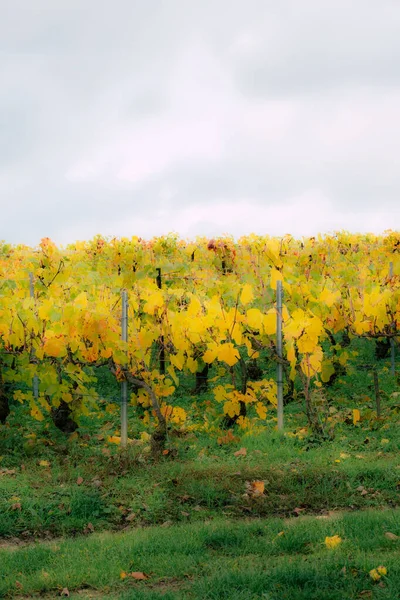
{"points": [[203, 309]]}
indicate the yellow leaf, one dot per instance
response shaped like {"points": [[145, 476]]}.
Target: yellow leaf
{"points": [[114, 439], [155, 301], [54, 346], [44, 463], [261, 410], [247, 294], [36, 413], [275, 276], [255, 318], [228, 353], [210, 355], [192, 364], [382, 570], [269, 322], [178, 360], [81, 300], [356, 416], [374, 574], [232, 408], [328, 297], [333, 542]]}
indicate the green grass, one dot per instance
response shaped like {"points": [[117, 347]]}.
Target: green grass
{"points": [[203, 481], [261, 558]]}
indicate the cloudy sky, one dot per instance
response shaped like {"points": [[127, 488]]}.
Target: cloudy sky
{"points": [[142, 117]]}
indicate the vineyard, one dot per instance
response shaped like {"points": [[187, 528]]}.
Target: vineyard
{"points": [[158, 313], [195, 419]]}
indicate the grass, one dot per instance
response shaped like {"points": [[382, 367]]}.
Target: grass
{"points": [[76, 511], [261, 558], [52, 494]]}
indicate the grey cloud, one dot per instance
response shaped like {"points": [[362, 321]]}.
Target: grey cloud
{"points": [[227, 101]]}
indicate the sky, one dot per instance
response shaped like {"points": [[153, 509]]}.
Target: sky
{"points": [[200, 117]]}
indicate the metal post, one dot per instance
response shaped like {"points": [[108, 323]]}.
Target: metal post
{"points": [[279, 378], [377, 394], [161, 341], [392, 357], [35, 381], [124, 384]]}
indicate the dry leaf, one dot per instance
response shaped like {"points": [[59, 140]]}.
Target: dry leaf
{"points": [[254, 488], [391, 536], [89, 528], [44, 463], [18, 585], [79, 481], [130, 517], [241, 452], [16, 506], [65, 592], [298, 510], [138, 575]]}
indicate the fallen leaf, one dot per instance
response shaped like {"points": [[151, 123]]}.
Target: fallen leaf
{"points": [[138, 575], [89, 528], [374, 574], [391, 536], [65, 592], [130, 517], [16, 506], [18, 585], [254, 488], [123, 575], [382, 570], [44, 463], [241, 452], [333, 541], [297, 511], [79, 481]]}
